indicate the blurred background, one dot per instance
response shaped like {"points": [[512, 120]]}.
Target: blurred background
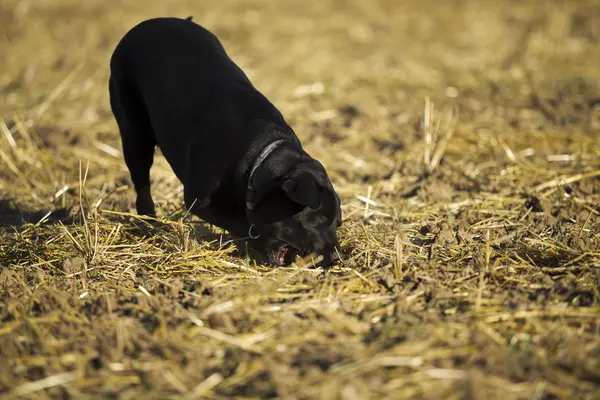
{"points": [[379, 56]]}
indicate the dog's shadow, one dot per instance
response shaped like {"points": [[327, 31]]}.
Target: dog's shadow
{"points": [[14, 216]]}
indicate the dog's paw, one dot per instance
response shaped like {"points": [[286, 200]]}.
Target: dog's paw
{"points": [[145, 208]]}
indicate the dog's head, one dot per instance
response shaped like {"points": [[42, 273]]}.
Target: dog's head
{"points": [[296, 212]]}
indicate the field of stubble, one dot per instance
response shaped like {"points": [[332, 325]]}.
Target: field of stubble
{"points": [[462, 136]]}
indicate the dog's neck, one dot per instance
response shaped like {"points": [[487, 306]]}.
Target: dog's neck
{"points": [[262, 156]]}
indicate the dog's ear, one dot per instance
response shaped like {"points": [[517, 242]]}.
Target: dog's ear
{"points": [[271, 205], [331, 205], [283, 198], [303, 189], [312, 188]]}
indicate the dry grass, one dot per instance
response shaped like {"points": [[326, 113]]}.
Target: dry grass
{"points": [[463, 138]]}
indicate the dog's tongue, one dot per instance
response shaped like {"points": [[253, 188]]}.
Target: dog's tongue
{"points": [[281, 255]]}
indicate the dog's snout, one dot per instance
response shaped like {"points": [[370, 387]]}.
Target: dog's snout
{"points": [[332, 255]]}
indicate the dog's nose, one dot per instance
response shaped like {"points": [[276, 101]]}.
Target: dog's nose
{"points": [[334, 256], [331, 256]]}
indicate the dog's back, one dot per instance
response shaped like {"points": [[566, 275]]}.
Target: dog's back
{"points": [[173, 63], [160, 45], [173, 85]]}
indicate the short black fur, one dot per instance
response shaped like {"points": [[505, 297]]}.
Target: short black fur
{"points": [[172, 85]]}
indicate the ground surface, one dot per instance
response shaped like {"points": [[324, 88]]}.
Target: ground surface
{"points": [[462, 136]]}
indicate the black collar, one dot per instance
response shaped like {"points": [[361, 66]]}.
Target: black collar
{"points": [[259, 160]]}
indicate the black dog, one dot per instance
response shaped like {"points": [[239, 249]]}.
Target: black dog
{"points": [[243, 168]]}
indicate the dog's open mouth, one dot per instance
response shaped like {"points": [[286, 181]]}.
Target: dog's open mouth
{"points": [[281, 255], [284, 256]]}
